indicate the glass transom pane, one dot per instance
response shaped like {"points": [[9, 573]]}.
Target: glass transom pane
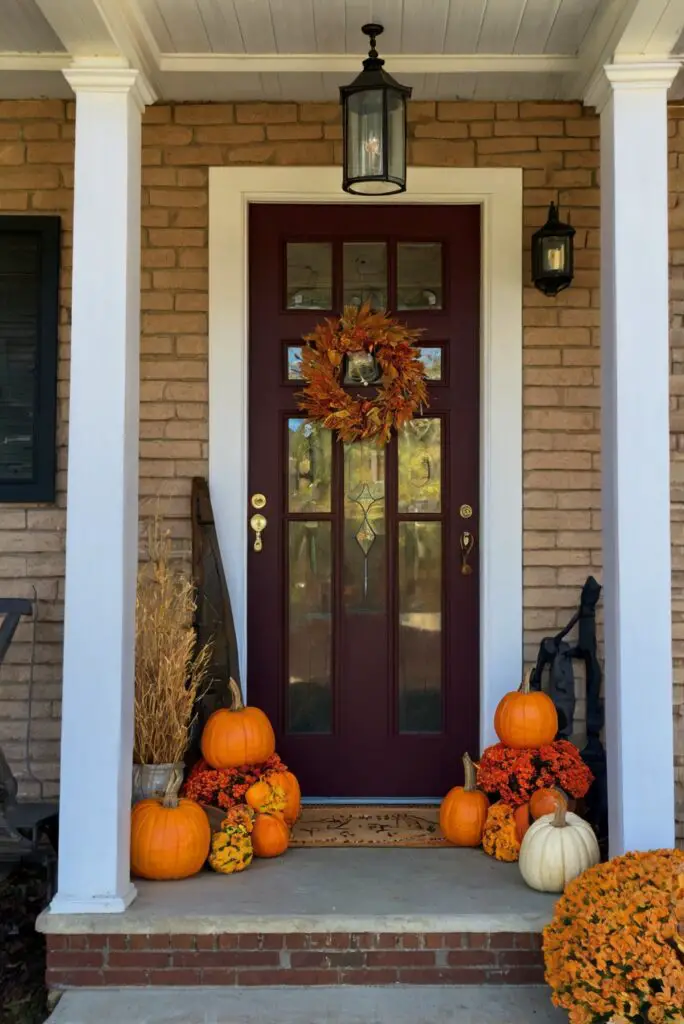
{"points": [[365, 274], [309, 275]]}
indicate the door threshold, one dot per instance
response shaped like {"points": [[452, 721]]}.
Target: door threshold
{"points": [[372, 801]]}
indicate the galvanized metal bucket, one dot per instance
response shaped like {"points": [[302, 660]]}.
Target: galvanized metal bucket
{"points": [[154, 781]]}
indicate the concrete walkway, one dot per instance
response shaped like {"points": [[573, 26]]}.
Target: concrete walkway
{"points": [[396, 1005]]}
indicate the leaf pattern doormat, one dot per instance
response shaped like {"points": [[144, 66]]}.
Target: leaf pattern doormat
{"points": [[411, 825]]}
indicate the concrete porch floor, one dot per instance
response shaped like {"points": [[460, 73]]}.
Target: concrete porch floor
{"points": [[354, 890], [400, 1005]]}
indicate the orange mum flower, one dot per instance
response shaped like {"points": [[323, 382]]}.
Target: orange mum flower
{"points": [[227, 786], [515, 774]]}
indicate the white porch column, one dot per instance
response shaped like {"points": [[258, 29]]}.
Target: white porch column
{"points": [[102, 513], [635, 453]]}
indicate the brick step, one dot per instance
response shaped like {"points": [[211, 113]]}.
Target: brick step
{"points": [[294, 958], [360, 1005]]}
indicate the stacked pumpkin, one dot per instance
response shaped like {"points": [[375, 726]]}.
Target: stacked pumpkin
{"points": [[553, 844], [172, 838]]}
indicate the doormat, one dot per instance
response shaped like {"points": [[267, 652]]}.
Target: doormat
{"points": [[410, 825]]}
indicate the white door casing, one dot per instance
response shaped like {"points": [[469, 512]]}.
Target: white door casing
{"points": [[498, 191]]}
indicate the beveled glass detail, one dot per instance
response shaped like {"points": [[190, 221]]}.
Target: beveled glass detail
{"points": [[364, 527], [419, 573], [364, 268], [309, 275], [431, 356], [309, 466], [419, 275], [309, 626], [294, 362], [419, 456]]}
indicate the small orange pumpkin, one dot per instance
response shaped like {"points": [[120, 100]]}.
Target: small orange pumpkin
{"points": [[237, 735], [526, 718], [270, 835], [170, 838], [521, 816], [463, 812], [546, 801]]}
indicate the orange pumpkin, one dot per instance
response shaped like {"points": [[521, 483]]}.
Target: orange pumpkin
{"points": [[522, 819], [170, 838], [463, 811], [526, 718], [237, 735], [270, 835], [546, 801], [293, 794]]}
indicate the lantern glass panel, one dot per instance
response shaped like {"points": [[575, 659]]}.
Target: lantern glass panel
{"points": [[554, 255], [396, 128], [365, 138]]}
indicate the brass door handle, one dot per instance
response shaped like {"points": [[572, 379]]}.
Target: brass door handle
{"points": [[467, 543], [258, 524]]}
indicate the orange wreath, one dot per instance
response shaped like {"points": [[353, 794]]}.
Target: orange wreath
{"points": [[401, 390]]}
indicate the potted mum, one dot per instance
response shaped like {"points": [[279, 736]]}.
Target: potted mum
{"points": [[613, 953], [170, 670]]}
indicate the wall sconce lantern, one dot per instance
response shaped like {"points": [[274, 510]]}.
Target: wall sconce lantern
{"points": [[553, 255], [374, 128]]}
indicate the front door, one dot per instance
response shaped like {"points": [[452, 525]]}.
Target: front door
{"points": [[363, 621]]}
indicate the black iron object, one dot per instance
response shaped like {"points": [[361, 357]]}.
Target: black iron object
{"points": [[374, 128], [213, 616], [556, 656], [553, 263], [28, 829]]}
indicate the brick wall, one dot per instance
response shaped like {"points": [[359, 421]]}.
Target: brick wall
{"points": [[557, 147]]}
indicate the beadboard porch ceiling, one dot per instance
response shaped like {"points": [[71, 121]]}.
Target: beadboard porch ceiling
{"points": [[294, 50]]}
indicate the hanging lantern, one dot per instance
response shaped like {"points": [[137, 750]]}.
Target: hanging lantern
{"points": [[374, 128], [553, 255]]}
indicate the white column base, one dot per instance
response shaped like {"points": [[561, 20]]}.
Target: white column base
{"points": [[93, 905]]}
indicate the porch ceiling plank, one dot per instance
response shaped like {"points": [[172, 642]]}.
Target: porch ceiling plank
{"points": [[293, 25], [256, 27], [570, 28], [452, 87], [222, 26], [536, 23], [271, 86], [186, 26], [654, 29], [42, 83], [330, 26], [152, 14], [80, 26], [500, 26], [424, 25], [23, 27], [464, 25]]}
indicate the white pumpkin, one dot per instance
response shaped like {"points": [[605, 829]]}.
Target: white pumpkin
{"points": [[557, 848]]}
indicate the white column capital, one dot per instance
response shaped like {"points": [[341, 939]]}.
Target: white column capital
{"points": [[107, 79], [629, 75]]}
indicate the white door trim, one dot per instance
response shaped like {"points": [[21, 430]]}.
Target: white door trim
{"points": [[499, 193]]}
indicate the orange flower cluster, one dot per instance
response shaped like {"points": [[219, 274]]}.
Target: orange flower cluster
{"points": [[516, 774], [227, 786], [402, 390], [500, 836], [611, 950]]}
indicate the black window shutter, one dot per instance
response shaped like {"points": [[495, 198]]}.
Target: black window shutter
{"points": [[29, 287]]}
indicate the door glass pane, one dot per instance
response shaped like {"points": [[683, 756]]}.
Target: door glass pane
{"points": [[431, 357], [420, 465], [294, 362], [364, 528], [419, 275], [420, 627], [365, 274], [309, 275], [310, 626], [309, 466]]}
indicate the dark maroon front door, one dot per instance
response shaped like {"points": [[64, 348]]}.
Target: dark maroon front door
{"points": [[363, 629]]}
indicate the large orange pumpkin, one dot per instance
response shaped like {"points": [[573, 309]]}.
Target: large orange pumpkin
{"points": [[463, 811], [270, 835], [237, 735], [526, 718], [170, 838]]}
